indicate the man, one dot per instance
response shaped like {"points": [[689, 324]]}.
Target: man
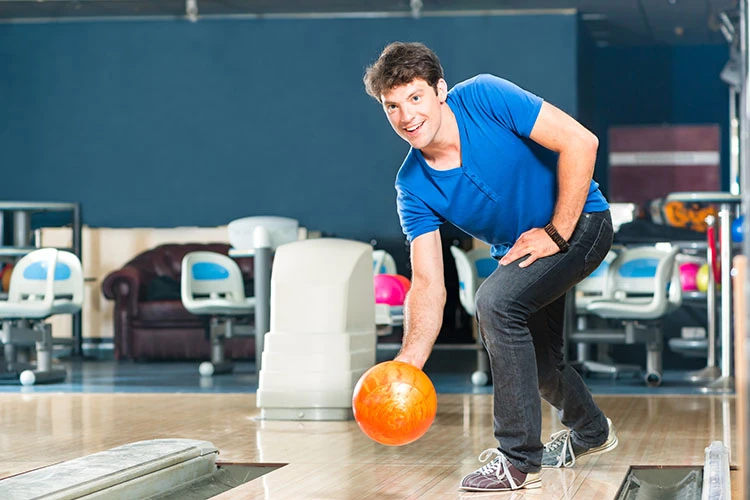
{"points": [[516, 172]]}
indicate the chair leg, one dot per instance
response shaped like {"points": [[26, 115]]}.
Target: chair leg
{"points": [[7, 370], [599, 367], [482, 374], [43, 372], [603, 364], [654, 362], [217, 341], [12, 355], [218, 365], [44, 348]]}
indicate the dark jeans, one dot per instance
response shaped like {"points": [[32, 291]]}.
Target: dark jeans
{"points": [[521, 315]]}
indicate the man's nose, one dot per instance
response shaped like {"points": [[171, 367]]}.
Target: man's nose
{"points": [[407, 113]]}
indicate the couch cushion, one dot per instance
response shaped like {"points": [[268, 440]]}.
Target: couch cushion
{"points": [[166, 259], [163, 288], [162, 311]]}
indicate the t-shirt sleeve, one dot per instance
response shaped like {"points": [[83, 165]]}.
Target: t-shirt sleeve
{"points": [[506, 102], [416, 217]]}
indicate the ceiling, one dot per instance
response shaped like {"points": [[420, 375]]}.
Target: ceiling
{"points": [[610, 22]]}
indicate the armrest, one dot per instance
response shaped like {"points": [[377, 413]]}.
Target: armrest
{"points": [[126, 286]]}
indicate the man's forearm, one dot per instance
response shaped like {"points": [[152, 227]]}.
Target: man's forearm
{"points": [[423, 317], [575, 170]]}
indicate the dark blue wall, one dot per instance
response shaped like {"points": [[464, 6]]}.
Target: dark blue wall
{"points": [[700, 96], [585, 76], [660, 85], [587, 111], [168, 123]]}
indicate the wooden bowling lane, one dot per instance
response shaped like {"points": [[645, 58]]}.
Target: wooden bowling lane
{"points": [[334, 460]]}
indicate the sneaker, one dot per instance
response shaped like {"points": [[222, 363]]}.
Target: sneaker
{"points": [[499, 475], [561, 451]]}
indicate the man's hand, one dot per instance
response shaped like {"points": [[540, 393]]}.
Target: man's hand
{"points": [[406, 358], [535, 243]]}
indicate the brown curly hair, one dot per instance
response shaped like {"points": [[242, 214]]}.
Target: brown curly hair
{"points": [[399, 64]]}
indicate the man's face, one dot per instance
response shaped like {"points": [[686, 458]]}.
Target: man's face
{"points": [[414, 111]]}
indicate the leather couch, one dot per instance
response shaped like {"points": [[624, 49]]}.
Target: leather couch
{"points": [[150, 321]]}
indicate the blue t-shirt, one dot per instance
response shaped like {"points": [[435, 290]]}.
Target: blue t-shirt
{"points": [[506, 183]]}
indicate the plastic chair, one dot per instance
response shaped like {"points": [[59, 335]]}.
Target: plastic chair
{"points": [[386, 317], [643, 286], [68, 284], [383, 263], [592, 288], [43, 283], [211, 285], [259, 237], [281, 230], [473, 267]]}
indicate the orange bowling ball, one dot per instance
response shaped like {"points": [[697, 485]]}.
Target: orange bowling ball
{"points": [[7, 271], [394, 403]]}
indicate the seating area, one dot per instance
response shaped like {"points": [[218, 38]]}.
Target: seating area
{"points": [[631, 293], [44, 283], [150, 320], [211, 286], [199, 301]]}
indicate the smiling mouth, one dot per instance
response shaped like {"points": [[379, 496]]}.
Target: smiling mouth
{"points": [[412, 130]]}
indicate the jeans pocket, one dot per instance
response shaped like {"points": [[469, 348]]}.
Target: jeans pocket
{"points": [[598, 251]]}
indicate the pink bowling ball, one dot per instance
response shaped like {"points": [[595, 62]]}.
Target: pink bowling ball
{"points": [[388, 290], [688, 275]]}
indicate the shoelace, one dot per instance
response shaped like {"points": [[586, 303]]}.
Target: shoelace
{"points": [[497, 466], [562, 438]]}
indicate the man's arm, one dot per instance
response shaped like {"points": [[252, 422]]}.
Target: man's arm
{"points": [[423, 309], [559, 132], [577, 147]]}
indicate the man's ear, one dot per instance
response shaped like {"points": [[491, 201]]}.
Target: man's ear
{"points": [[442, 90]]}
